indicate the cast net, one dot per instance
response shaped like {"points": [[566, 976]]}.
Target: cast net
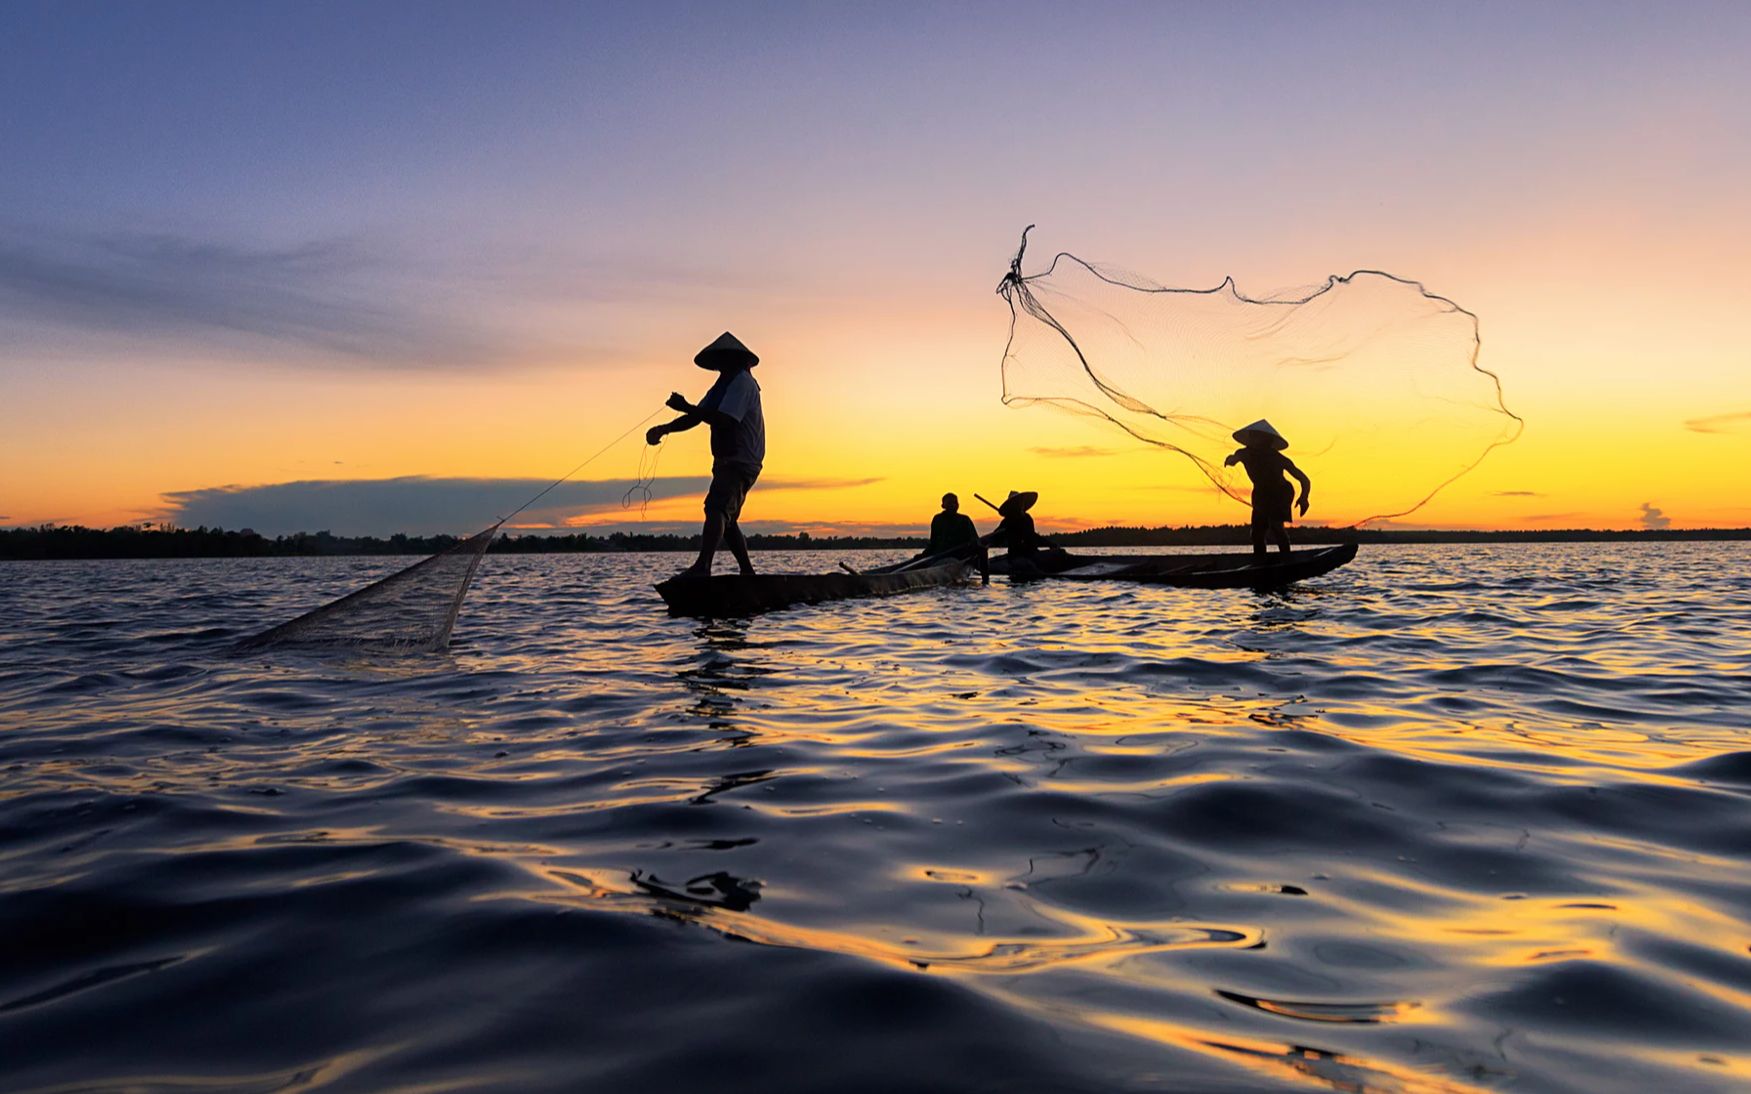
{"points": [[410, 611], [1374, 379]]}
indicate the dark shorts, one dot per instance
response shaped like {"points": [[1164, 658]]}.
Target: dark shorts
{"points": [[1273, 505], [730, 483]]}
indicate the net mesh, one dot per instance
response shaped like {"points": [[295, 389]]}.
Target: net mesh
{"points": [[412, 610], [1374, 379]]}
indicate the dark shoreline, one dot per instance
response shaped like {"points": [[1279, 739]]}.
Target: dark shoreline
{"points": [[54, 542]]}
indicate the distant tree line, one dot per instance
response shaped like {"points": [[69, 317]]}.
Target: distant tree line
{"points": [[136, 541], [1230, 535]]}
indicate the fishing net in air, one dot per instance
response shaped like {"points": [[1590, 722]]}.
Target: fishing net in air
{"points": [[1373, 378], [410, 611]]}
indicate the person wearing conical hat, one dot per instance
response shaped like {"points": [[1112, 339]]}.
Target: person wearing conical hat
{"points": [[1273, 499], [1016, 531], [738, 445]]}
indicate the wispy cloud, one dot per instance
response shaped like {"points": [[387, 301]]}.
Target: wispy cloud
{"points": [[322, 300], [1653, 518], [1720, 423], [420, 505], [1075, 452], [334, 303], [1516, 494]]}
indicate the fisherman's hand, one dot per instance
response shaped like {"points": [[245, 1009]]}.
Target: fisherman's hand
{"points": [[1304, 505], [655, 434], [678, 401], [1231, 460]]}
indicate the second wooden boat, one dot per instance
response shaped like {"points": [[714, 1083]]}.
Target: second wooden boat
{"points": [[1202, 571]]}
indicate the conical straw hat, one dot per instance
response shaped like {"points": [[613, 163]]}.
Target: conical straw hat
{"points": [[1018, 502], [1261, 430], [727, 350]]}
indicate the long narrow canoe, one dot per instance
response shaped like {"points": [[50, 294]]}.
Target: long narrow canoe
{"points": [[732, 594], [1223, 571]]}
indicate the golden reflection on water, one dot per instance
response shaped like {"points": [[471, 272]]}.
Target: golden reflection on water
{"points": [[1337, 1071], [1320, 835], [1083, 939]]}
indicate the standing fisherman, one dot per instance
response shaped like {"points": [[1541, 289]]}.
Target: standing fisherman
{"points": [[1262, 456], [738, 446]]}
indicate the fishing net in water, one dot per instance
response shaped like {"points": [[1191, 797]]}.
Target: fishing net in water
{"points": [[410, 611], [1374, 379], [414, 610]]}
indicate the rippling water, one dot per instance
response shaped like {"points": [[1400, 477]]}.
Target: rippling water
{"points": [[1447, 819]]}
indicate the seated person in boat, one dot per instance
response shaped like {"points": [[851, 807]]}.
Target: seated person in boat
{"points": [[738, 446], [953, 535], [1028, 550], [1261, 453]]}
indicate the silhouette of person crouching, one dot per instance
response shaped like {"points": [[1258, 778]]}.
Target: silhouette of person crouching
{"points": [[1272, 496], [1029, 552]]}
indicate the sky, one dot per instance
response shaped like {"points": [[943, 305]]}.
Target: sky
{"points": [[396, 266]]}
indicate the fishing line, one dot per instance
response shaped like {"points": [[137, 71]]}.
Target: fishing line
{"points": [[581, 466], [648, 456]]}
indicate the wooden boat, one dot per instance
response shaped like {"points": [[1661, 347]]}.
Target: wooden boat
{"points": [[733, 594], [1215, 571]]}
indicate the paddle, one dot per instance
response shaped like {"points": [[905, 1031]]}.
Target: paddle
{"points": [[926, 561]]}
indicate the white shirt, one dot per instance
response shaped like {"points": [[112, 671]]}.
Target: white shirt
{"points": [[736, 395]]}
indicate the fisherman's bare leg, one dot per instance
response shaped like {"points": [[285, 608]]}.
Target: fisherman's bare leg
{"points": [[739, 547], [709, 537], [1281, 535]]}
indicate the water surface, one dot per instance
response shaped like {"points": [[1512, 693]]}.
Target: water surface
{"points": [[1448, 819]]}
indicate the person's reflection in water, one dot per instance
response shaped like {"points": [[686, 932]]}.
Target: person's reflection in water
{"points": [[1272, 496], [717, 680]]}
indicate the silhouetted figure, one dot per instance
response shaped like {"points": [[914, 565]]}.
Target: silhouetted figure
{"points": [[1027, 547], [953, 535], [1272, 496], [951, 528], [738, 446]]}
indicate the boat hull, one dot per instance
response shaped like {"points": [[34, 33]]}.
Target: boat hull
{"points": [[1221, 571], [733, 594]]}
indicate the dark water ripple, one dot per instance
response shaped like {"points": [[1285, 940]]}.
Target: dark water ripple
{"points": [[1447, 820]]}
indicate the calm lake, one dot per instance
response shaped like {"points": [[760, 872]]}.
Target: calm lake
{"points": [[1448, 819]]}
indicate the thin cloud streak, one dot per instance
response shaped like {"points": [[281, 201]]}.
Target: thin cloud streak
{"points": [[1074, 452], [420, 505], [346, 302], [1720, 423], [327, 299]]}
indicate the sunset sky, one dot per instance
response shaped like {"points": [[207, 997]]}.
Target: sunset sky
{"points": [[257, 260]]}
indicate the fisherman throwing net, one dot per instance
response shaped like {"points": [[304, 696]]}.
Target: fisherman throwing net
{"points": [[1375, 377]]}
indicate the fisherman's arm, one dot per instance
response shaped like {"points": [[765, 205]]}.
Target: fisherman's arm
{"points": [[680, 425], [1301, 477], [678, 401], [691, 416]]}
